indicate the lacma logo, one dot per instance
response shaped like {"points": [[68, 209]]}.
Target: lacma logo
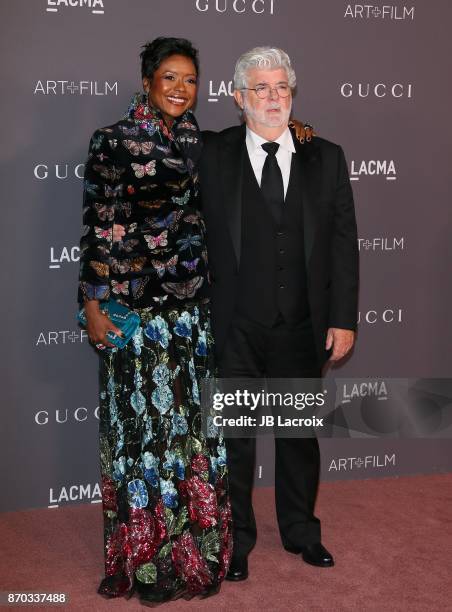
{"points": [[75, 493], [373, 167], [96, 6], [223, 88], [371, 388], [65, 255]]}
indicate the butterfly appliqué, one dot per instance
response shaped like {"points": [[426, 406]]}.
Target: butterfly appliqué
{"points": [[106, 234], [137, 286], [164, 150], [178, 185], [184, 290], [126, 208], [165, 266], [95, 292], [144, 170], [127, 245], [111, 173], [157, 241], [183, 200], [100, 268], [153, 204], [138, 147], [104, 212], [133, 131], [175, 164], [148, 187], [190, 265], [97, 142], [90, 188], [115, 192], [193, 219], [120, 288], [127, 265], [168, 222]]}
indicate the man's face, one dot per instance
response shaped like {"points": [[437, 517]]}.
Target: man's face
{"points": [[271, 111]]}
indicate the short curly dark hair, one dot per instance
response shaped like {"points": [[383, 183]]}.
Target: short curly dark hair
{"points": [[160, 48]]}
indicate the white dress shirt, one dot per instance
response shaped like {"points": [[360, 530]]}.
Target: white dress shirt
{"points": [[257, 154]]}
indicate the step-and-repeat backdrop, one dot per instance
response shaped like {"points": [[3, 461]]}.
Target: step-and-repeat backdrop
{"points": [[372, 77]]}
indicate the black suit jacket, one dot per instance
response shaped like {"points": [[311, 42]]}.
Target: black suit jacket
{"points": [[330, 235]]}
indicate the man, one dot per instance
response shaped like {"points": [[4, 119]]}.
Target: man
{"points": [[283, 253]]}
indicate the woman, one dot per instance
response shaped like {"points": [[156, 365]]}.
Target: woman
{"points": [[167, 520]]}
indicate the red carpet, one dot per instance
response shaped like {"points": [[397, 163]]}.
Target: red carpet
{"points": [[391, 538]]}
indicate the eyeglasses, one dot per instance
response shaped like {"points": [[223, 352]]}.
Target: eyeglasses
{"points": [[264, 91]]}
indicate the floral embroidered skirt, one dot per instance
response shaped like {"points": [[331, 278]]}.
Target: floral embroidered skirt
{"points": [[167, 517]]}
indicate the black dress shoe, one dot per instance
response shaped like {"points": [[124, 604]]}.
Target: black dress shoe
{"points": [[314, 554], [238, 569]]}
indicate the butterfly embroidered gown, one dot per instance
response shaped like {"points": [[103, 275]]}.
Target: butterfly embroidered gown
{"points": [[167, 520]]}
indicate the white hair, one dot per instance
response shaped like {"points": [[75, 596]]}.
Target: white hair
{"points": [[265, 58]]}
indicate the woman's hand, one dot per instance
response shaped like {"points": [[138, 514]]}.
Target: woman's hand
{"points": [[98, 324], [302, 131], [118, 232]]}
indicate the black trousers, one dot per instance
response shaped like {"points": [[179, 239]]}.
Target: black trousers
{"points": [[282, 351]]}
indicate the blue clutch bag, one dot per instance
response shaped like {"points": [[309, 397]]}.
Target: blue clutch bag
{"points": [[121, 316]]}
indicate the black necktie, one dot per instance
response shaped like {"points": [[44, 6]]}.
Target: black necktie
{"points": [[272, 185]]}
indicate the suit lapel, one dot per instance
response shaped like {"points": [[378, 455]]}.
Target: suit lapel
{"points": [[308, 164], [231, 167]]}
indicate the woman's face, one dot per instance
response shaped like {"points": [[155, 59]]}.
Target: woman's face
{"points": [[173, 87]]}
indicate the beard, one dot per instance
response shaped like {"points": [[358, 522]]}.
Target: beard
{"points": [[268, 120]]}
